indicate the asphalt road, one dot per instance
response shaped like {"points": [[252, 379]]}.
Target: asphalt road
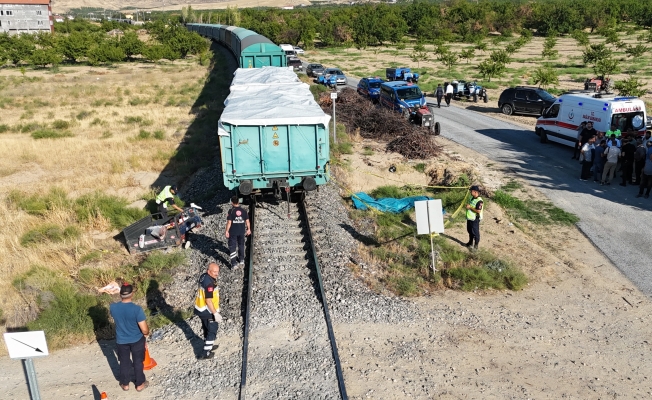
{"points": [[617, 222]]}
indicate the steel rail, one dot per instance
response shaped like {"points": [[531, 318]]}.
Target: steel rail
{"points": [[329, 325], [245, 342]]}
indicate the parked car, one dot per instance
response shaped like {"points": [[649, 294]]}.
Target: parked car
{"points": [[525, 100], [295, 63], [370, 88], [341, 78], [468, 90], [315, 70], [298, 50], [408, 99]]}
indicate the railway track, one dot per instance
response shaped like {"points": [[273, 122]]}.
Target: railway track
{"points": [[284, 275]]}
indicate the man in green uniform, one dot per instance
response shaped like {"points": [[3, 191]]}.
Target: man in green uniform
{"points": [[613, 131], [165, 198], [473, 217]]}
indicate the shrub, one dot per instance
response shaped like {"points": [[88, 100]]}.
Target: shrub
{"points": [[61, 124], [48, 233], [84, 114], [4, 128], [50, 134], [143, 134], [98, 205], [159, 135], [138, 120]]}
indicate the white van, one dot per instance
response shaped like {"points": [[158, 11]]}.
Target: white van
{"points": [[560, 121], [288, 49]]}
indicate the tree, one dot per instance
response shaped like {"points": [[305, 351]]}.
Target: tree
{"points": [[131, 44], [440, 50], [636, 51], [106, 52], [482, 46], [581, 37], [155, 52], [500, 57], [630, 87], [449, 59], [44, 57], [595, 53], [545, 76], [20, 48], [606, 67], [419, 54], [467, 54], [232, 16], [75, 45], [490, 69]]}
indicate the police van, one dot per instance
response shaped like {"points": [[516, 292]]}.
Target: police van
{"points": [[559, 123]]}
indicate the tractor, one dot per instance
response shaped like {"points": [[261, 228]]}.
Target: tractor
{"points": [[598, 84]]}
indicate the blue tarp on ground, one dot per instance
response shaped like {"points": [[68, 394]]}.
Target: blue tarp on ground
{"points": [[362, 201]]}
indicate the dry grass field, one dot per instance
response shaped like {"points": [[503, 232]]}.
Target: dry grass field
{"points": [[568, 64], [76, 132]]}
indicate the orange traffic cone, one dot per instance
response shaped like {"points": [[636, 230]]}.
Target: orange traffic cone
{"points": [[149, 362], [103, 395]]}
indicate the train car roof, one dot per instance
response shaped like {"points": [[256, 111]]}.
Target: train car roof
{"points": [[263, 76]]}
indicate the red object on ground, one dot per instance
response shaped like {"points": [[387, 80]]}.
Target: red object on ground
{"points": [[149, 362]]}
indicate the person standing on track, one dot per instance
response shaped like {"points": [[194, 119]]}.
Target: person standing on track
{"points": [[474, 211], [207, 308], [167, 197], [237, 227], [439, 93], [130, 331]]}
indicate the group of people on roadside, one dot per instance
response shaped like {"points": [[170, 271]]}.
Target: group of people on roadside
{"points": [[440, 92], [603, 154]]}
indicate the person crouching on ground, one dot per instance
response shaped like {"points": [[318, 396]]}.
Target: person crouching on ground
{"points": [[130, 332], [473, 217]]}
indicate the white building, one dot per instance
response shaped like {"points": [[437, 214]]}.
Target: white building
{"points": [[25, 16]]}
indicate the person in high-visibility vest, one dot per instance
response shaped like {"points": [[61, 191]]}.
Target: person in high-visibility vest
{"points": [[207, 308], [474, 210], [165, 198]]}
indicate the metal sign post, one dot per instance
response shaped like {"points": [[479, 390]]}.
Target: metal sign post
{"points": [[430, 219], [333, 97], [25, 346]]}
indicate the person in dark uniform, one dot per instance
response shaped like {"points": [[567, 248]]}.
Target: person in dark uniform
{"points": [[627, 152], [474, 211], [439, 93], [207, 308], [237, 227], [165, 198]]}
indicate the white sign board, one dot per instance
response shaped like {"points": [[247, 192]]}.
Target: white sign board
{"points": [[334, 95], [430, 218], [26, 344]]}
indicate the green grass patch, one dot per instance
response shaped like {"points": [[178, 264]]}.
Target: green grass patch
{"points": [[138, 120], [538, 212], [159, 135], [511, 186], [30, 127], [395, 192], [39, 204], [496, 274], [143, 135], [50, 134], [367, 151], [99, 205], [4, 128], [317, 90], [48, 233]]}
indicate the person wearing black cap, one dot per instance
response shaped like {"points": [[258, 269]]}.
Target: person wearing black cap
{"points": [[130, 331], [165, 198], [473, 217]]}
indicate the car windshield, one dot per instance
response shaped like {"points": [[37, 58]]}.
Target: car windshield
{"points": [[374, 85], [317, 66], [545, 95], [409, 93], [334, 72]]}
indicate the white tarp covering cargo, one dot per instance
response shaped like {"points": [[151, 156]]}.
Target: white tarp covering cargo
{"points": [[263, 76], [268, 105]]}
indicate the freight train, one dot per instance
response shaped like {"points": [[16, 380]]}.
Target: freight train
{"points": [[273, 136], [250, 49]]}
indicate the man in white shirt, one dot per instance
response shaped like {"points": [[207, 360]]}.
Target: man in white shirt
{"points": [[611, 154], [449, 94], [586, 156]]}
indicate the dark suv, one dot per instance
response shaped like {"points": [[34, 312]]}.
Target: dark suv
{"points": [[525, 100]]}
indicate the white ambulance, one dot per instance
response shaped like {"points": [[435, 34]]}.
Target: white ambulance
{"points": [[560, 121]]}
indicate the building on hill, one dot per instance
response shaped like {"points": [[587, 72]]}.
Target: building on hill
{"points": [[25, 16]]}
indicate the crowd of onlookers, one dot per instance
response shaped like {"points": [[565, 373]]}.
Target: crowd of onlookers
{"points": [[603, 154]]}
